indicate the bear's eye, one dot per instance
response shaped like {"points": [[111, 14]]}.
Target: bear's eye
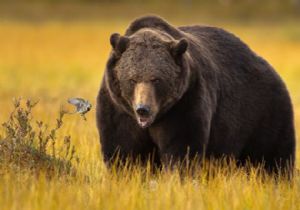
{"points": [[155, 81], [132, 81], [155, 46]]}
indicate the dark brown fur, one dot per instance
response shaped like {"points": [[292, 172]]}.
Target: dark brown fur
{"points": [[216, 96]]}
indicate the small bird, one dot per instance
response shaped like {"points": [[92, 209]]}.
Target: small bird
{"points": [[82, 106]]}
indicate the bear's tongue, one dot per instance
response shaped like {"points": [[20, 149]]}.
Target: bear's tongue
{"points": [[143, 121]]}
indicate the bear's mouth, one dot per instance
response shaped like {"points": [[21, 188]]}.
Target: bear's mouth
{"points": [[144, 122]]}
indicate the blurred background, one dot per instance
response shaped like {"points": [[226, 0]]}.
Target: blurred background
{"points": [[236, 10], [51, 50]]}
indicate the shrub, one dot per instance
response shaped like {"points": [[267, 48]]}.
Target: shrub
{"points": [[34, 146]]}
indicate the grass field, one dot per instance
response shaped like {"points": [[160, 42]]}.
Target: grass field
{"points": [[54, 60]]}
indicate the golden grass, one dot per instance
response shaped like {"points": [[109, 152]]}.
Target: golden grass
{"points": [[53, 61]]}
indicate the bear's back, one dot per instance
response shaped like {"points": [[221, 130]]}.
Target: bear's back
{"points": [[227, 49], [233, 58]]}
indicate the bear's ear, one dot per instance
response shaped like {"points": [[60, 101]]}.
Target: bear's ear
{"points": [[179, 47], [119, 43]]}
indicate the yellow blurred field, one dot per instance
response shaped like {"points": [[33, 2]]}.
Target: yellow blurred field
{"points": [[54, 60]]}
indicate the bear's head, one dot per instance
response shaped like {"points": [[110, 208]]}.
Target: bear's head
{"points": [[148, 73]]}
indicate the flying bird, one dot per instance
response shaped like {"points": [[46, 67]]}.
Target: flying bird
{"points": [[82, 106]]}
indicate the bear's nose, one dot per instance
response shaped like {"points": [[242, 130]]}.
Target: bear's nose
{"points": [[143, 110]]}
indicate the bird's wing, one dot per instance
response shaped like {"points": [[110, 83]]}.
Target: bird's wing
{"points": [[75, 101], [78, 102]]}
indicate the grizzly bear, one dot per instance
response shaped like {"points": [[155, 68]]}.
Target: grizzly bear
{"points": [[169, 93]]}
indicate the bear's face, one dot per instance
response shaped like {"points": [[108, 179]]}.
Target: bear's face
{"points": [[149, 71]]}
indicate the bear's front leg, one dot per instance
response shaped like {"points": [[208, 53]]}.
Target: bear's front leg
{"points": [[183, 156], [179, 142]]}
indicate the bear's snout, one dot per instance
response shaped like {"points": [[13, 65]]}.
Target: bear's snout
{"points": [[144, 116], [143, 110], [144, 104]]}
